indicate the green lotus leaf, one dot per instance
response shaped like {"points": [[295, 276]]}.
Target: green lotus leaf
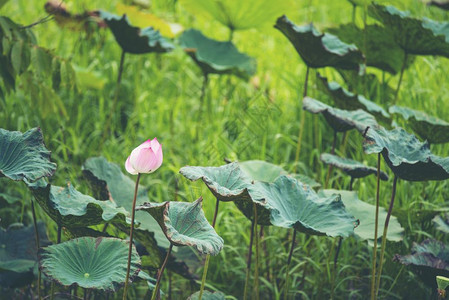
{"points": [[208, 296], [307, 180], [109, 183], [70, 208], [351, 167], [238, 15], [430, 128], [230, 183], [184, 224], [320, 50], [428, 259], [366, 214], [92, 263], [415, 36], [340, 120], [442, 223], [444, 4], [135, 40], [442, 282], [380, 48], [18, 253], [24, 156], [296, 205], [261, 170], [344, 99], [407, 157], [215, 57]]}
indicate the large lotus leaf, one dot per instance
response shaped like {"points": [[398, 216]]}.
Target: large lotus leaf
{"points": [[109, 183], [24, 156], [70, 208], [378, 44], [366, 214], [92, 263], [261, 170], [340, 120], [134, 39], [444, 4], [215, 57], [344, 99], [428, 259], [184, 224], [351, 167], [320, 50], [407, 157], [415, 36], [430, 128], [296, 205], [236, 14], [230, 183], [208, 296], [18, 253]]}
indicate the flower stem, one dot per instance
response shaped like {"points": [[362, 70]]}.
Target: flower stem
{"points": [[159, 276], [301, 124], [133, 214], [36, 232], [404, 63], [256, 273], [289, 260], [206, 264], [248, 263], [329, 168], [376, 224], [384, 236]]}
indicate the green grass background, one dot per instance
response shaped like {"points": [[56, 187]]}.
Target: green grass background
{"points": [[160, 94]]}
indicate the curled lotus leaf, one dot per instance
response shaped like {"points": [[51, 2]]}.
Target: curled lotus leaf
{"points": [[344, 99], [230, 183], [428, 259], [380, 48], [340, 120], [407, 157], [185, 224], [236, 14], [70, 208], [366, 212], [430, 128], [351, 167], [24, 156], [415, 36], [208, 296], [93, 263], [133, 39], [108, 182], [296, 205], [320, 50], [216, 57]]}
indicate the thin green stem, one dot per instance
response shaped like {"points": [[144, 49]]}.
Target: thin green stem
{"points": [[131, 232], [58, 241], [289, 260], [330, 167], [36, 232], [384, 236], [351, 183], [248, 263], [116, 95], [354, 8], [404, 63], [160, 273], [376, 225], [302, 121], [206, 264], [256, 272]]}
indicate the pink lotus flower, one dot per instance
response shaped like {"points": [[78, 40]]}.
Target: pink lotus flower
{"points": [[146, 158]]}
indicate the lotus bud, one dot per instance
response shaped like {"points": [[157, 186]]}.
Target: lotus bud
{"points": [[146, 158]]}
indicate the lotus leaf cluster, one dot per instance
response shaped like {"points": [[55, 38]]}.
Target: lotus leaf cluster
{"points": [[430, 128], [408, 158]]}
